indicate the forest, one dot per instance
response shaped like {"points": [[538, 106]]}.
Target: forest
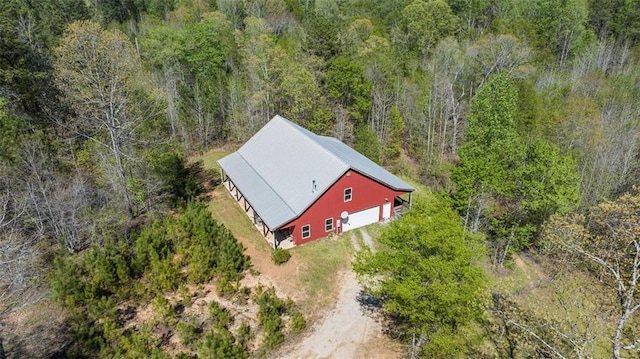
{"points": [[521, 116]]}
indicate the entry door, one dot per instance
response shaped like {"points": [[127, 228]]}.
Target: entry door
{"points": [[386, 210]]}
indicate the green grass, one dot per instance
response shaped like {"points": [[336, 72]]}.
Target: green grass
{"points": [[322, 260], [211, 157], [228, 212], [421, 192], [225, 209], [318, 262], [359, 237]]}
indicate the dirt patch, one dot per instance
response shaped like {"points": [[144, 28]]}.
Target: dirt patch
{"points": [[346, 330], [36, 331]]}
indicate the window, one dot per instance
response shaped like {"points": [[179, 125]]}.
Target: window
{"points": [[347, 194], [306, 231], [328, 224]]}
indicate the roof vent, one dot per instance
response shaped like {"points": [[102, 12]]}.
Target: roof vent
{"points": [[314, 187]]}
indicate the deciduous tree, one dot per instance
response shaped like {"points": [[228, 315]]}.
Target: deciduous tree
{"points": [[607, 241], [426, 23], [426, 278], [105, 93], [504, 183]]}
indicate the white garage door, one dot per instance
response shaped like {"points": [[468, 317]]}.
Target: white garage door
{"points": [[362, 218]]}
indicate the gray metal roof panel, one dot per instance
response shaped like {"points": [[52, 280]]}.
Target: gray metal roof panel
{"points": [[264, 200], [286, 158], [362, 164], [277, 167]]}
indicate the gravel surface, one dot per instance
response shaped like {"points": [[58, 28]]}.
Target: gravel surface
{"points": [[346, 331]]}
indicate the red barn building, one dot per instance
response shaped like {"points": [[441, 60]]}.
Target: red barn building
{"points": [[298, 186]]}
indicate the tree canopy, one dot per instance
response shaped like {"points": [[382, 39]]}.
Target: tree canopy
{"points": [[426, 277], [517, 110]]}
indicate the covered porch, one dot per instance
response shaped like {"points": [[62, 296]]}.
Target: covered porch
{"points": [[401, 204], [275, 238]]}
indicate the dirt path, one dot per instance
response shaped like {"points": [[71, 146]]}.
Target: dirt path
{"points": [[345, 331]]}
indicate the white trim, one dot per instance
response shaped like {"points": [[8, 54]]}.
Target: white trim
{"points": [[308, 230], [325, 225], [350, 189]]}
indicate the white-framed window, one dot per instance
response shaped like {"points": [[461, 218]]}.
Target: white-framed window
{"points": [[306, 231], [328, 225], [348, 194]]}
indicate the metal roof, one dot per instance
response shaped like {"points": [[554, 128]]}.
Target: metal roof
{"points": [[284, 168]]}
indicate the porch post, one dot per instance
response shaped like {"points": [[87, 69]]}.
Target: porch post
{"points": [[410, 193]]}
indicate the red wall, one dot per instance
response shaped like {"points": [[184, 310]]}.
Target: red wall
{"points": [[366, 193]]}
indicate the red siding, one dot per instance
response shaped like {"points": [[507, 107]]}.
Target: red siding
{"points": [[366, 193]]}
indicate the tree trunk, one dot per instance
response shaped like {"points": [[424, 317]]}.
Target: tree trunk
{"points": [[2, 353], [122, 173], [617, 339], [476, 220]]}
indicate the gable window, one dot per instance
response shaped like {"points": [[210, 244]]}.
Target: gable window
{"points": [[347, 194], [328, 224], [306, 231]]}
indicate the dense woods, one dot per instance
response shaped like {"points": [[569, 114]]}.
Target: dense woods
{"points": [[525, 114]]}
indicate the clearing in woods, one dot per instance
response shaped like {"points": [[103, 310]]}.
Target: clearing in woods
{"points": [[319, 278]]}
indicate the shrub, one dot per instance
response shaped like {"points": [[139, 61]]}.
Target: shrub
{"points": [[219, 343], [242, 295], [243, 335], [219, 315], [162, 307], [280, 256], [189, 330], [271, 308], [273, 335], [297, 323]]}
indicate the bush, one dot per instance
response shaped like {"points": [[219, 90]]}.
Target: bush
{"points": [[162, 307], [243, 335], [280, 256], [190, 330], [297, 323], [270, 310], [219, 343], [219, 315]]}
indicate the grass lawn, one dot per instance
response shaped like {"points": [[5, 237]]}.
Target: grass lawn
{"points": [[322, 261], [211, 157]]}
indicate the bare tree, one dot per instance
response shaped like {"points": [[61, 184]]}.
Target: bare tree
{"points": [[448, 96], [343, 127], [499, 53], [103, 90], [58, 204], [607, 241]]}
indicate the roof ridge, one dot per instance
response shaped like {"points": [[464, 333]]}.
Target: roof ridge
{"points": [[313, 137]]}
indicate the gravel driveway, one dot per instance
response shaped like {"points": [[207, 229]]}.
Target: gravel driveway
{"points": [[345, 331]]}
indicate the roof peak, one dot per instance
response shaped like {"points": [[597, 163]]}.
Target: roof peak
{"points": [[279, 164], [314, 137]]}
